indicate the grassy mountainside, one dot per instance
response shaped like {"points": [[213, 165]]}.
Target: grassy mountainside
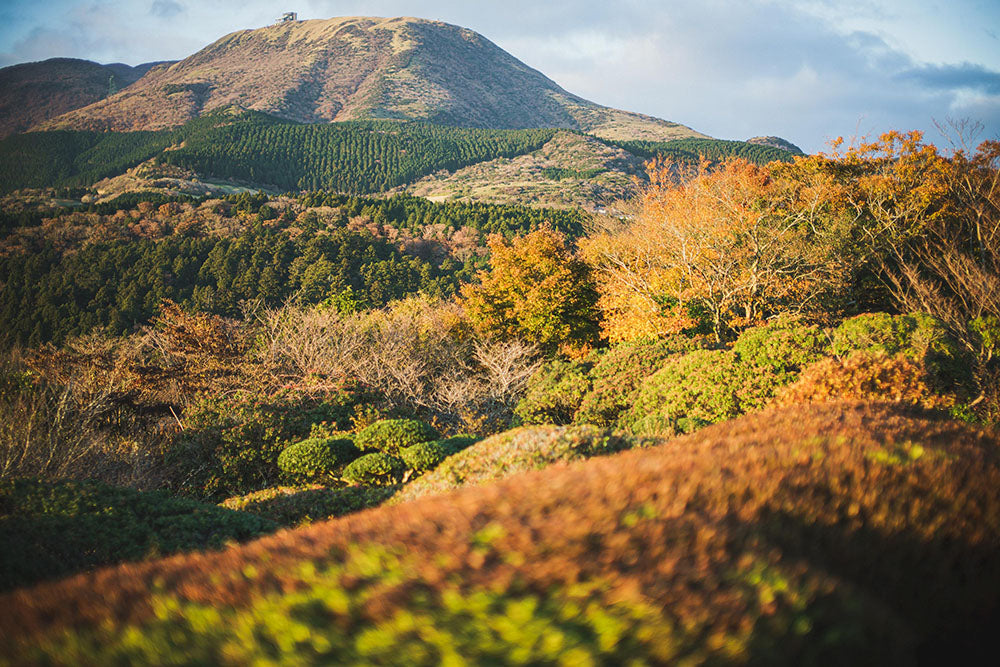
{"points": [[571, 170], [358, 68], [31, 93], [834, 534]]}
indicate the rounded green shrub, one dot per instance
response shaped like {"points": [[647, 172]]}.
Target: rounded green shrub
{"points": [[554, 393], [317, 456], [784, 345], [424, 456], [375, 469], [703, 387], [391, 435]]}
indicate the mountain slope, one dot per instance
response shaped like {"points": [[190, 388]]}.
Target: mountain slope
{"points": [[357, 68], [31, 93], [570, 170]]}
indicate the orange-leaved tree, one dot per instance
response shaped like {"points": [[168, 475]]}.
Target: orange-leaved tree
{"points": [[536, 290], [731, 243]]}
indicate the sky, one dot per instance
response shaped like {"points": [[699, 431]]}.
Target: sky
{"points": [[805, 70]]}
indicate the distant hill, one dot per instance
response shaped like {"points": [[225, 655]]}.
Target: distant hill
{"points": [[777, 142], [32, 93], [345, 69]]}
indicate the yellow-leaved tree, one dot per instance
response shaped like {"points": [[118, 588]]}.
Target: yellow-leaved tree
{"points": [[536, 290]]}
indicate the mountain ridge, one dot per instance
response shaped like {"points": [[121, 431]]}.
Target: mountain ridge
{"points": [[32, 93], [353, 68]]}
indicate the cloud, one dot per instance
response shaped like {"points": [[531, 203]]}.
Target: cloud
{"points": [[955, 77], [166, 8], [806, 70]]}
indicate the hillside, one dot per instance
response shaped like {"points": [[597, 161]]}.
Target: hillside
{"points": [[569, 171], [358, 68], [32, 93], [834, 534]]}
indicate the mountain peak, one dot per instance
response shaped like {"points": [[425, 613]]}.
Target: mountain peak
{"points": [[351, 68]]}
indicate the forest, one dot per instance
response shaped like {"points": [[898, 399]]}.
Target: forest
{"points": [[359, 157], [748, 416]]}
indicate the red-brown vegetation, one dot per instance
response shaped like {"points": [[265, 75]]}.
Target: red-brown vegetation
{"points": [[834, 533]]}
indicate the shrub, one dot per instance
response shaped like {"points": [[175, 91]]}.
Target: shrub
{"points": [[391, 435], [231, 443], [784, 345], [618, 373], [519, 450], [296, 506], [911, 334], [917, 336], [51, 529], [424, 456], [554, 393], [317, 456], [703, 387], [375, 469], [865, 376]]}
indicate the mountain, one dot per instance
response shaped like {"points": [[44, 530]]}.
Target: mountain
{"points": [[31, 93], [356, 68]]}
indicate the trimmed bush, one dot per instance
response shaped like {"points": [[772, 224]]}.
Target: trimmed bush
{"points": [[296, 506], [375, 469], [783, 345], [554, 393], [519, 450], [49, 529], [425, 456], [700, 388], [391, 435], [620, 371], [317, 456], [865, 376]]}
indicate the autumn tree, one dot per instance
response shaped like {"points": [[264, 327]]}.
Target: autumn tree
{"points": [[733, 244], [537, 290]]}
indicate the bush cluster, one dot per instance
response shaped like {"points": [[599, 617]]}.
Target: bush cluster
{"points": [[314, 457], [619, 372], [49, 529], [782, 345], [391, 435], [375, 469], [232, 443]]}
